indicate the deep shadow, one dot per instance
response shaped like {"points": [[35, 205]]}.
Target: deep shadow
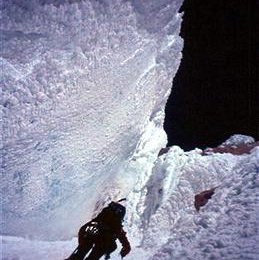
{"points": [[215, 90]]}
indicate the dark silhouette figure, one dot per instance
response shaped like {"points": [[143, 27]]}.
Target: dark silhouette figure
{"points": [[100, 234]]}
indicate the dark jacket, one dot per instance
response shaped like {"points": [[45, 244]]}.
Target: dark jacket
{"points": [[105, 229]]}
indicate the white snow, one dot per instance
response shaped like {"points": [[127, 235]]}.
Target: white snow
{"points": [[238, 139], [84, 88], [162, 222], [82, 80], [226, 228]]}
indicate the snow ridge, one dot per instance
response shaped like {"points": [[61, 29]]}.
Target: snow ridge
{"points": [[226, 228]]}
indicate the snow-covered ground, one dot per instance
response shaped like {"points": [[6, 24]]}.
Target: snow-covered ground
{"points": [[84, 87], [226, 228], [162, 222]]}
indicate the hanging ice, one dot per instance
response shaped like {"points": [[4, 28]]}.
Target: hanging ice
{"points": [[81, 81]]}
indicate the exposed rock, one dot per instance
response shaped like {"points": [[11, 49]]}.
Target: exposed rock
{"points": [[163, 151], [240, 149], [202, 198]]}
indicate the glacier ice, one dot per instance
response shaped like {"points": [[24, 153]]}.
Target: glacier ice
{"points": [[238, 139], [81, 83], [84, 86], [162, 222], [226, 228]]}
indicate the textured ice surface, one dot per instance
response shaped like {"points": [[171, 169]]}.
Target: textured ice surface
{"points": [[238, 139], [162, 222], [81, 82], [84, 87], [226, 228]]}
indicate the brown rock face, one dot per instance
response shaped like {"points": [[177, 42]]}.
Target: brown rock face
{"points": [[163, 151], [236, 150], [202, 198]]}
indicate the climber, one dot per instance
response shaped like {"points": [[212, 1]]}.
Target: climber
{"points": [[100, 234]]}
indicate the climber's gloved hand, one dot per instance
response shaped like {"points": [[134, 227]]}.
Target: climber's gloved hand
{"points": [[125, 250]]}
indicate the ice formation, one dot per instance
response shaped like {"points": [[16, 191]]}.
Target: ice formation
{"points": [[82, 81], [238, 139], [162, 222], [169, 227], [84, 89]]}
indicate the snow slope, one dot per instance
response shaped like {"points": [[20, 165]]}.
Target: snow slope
{"points": [[162, 222], [226, 228]]}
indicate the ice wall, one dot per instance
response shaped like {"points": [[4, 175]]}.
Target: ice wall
{"points": [[81, 81], [162, 219]]}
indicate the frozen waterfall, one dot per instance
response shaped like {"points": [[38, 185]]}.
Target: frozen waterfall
{"points": [[84, 83]]}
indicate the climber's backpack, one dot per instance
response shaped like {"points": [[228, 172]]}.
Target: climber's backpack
{"points": [[108, 220]]}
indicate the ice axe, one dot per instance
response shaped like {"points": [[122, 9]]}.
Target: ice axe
{"points": [[124, 199]]}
